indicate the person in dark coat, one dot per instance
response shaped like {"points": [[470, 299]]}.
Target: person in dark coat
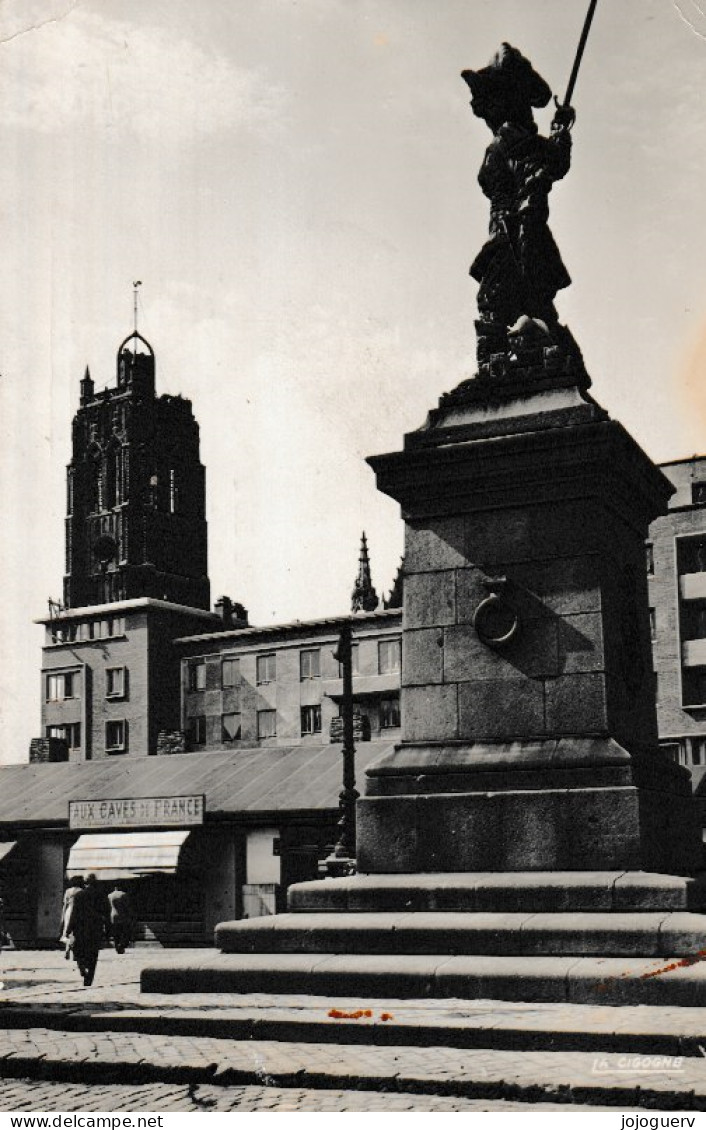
{"points": [[121, 920], [73, 886], [4, 936], [86, 927]]}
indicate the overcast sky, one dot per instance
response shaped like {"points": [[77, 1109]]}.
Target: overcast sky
{"points": [[294, 182]]}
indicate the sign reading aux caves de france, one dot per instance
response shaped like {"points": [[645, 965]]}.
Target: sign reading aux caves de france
{"points": [[137, 812]]}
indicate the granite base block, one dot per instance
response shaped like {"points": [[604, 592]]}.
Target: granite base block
{"points": [[526, 830]]}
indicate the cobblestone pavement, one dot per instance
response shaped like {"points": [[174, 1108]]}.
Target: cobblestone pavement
{"points": [[40, 975], [72, 1050], [42, 979], [477, 1073], [28, 1095]]}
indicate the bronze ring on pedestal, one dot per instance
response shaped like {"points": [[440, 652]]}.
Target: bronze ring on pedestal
{"points": [[495, 622]]}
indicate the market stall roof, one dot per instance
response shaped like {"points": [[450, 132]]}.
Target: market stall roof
{"points": [[273, 780]]}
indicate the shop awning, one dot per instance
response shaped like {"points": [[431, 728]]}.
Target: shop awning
{"points": [[6, 848], [126, 855]]}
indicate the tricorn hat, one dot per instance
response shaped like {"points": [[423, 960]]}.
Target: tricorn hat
{"points": [[509, 74]]}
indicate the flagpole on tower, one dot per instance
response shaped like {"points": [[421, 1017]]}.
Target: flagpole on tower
{"points": [[135, 285]]}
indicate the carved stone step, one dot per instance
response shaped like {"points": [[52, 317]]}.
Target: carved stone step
{"points": [[647, 934], [586, 980], [511, 891]]}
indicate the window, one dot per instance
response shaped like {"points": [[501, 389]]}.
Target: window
{"points": [[230, 727], [694, 686], [650, 557], [355, 660], [70, 732], [173, 492], [311, 720], [697, 751], [310, 663], [673, 751], [115, 682], [653, 624], [698, 494], [115, 736], [113, 467], [389, 713], [95, 482], [266, 723], [61, 687], [230, 672], [64, 632], [101, 629], [196, 730], [197, 676], [266, 668], [691, 555], [388, 656]]}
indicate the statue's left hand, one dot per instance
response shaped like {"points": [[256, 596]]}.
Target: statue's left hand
{"points": [[564, 117]]}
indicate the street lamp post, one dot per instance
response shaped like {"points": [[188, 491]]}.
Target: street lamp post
{"points": [[342, 859]]}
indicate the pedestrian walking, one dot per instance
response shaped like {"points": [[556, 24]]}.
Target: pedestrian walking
{"points": [[87, 926], [4, 936], [71, 888], [120, 917]]}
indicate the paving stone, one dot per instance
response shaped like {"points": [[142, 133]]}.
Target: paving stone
{"points": [[571, 1075], [465, 1071]]}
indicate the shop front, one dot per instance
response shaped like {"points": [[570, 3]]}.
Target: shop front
{"points": [[195, 839], [161, 868]]}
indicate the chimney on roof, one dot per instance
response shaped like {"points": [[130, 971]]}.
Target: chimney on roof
{"points": [[232, 614]]}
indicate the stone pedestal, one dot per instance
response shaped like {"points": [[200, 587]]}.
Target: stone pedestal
{"points": [[517, 844], [528, 698]]}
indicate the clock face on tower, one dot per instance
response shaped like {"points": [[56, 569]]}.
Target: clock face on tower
{"points": [[105, 549]]}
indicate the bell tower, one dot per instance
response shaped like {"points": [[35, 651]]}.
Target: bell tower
{"points": [[136, 511]]}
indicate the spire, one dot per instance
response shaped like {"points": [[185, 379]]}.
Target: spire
{"points": [[364, 598], [135, 286], [86, 387], [394, 600]]}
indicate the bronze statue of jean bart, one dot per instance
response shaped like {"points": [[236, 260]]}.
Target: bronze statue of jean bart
{"points": [[519, 268]]}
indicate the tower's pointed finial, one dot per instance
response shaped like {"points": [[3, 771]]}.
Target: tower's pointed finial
{"points": [[364, 597], [86, 386], [394, 600], [135, 286]]}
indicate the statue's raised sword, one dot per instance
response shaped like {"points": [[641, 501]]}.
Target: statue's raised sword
{"points": [[579, 53]]}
